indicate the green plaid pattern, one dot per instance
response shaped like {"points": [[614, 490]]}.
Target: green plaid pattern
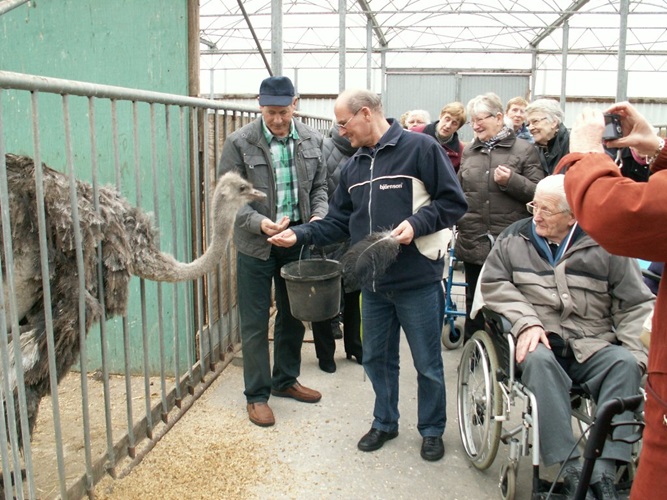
{"points": [[282, 156]]}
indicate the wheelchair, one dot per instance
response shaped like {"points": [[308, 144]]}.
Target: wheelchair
{"points": [[488, 388]]}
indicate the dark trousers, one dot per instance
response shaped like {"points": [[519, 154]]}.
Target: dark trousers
{"points": [[323, 338], [254, 280], [352, 324], [472, 277]]}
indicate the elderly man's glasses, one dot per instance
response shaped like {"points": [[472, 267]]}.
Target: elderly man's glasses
{"points": [[344, 125], [535, 121], [534, 209]]}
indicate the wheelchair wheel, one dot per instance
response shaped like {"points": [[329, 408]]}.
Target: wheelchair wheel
{"points": [[479, 400], [585, 414], [508, 473], [451, 339]]}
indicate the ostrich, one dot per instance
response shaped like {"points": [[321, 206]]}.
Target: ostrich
{"points": [[128, 241]]}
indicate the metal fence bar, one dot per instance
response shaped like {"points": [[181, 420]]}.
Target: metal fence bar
{"points": [[125, 326], [19, 380], [142, 282], [69, 154], [174, 243], [183, 122], [48, 316], [207, 238], [156, 216], [198, 236], [101, 297], [7, 406]]}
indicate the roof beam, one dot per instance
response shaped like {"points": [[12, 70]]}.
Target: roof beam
{"points": [[371, 18], [567, 14]]}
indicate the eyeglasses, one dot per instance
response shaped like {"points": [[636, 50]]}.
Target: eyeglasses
{"points": [[475, 121], [344, 125], [533, 209], [534, 122]]}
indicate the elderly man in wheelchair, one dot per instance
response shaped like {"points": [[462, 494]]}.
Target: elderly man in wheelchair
{"points": [[576, 313]]}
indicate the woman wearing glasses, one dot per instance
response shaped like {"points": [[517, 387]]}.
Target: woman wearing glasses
{"points": [[498, 175], [552, 139]]}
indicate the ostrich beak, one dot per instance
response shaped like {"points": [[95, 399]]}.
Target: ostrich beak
{"points": [[256, 195]]}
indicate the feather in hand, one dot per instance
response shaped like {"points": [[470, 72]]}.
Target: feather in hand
{"points": [[368, 259]]}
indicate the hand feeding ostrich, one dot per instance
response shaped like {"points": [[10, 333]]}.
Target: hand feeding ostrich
{"points": [[129, 248]]}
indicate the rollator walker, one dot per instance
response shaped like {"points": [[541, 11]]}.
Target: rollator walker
{"points": [[452, 334]]}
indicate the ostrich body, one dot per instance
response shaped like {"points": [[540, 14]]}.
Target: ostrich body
{"points": [[128, 240]]}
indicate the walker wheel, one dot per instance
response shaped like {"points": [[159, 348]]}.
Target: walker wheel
{"points": [[451, 339]]}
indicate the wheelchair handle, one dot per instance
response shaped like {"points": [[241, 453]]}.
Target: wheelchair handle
{"points": [[598, 435]]}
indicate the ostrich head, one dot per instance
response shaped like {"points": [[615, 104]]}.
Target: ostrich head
{"points": [[232, 192]]}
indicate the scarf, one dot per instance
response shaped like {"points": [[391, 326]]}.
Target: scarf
{"points": [[493, 142]]}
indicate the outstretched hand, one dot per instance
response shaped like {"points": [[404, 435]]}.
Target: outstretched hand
{"points": [[284, 239]]}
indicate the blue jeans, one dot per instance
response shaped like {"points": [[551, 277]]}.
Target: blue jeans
{"points": [[420, 313], [254, 277]]}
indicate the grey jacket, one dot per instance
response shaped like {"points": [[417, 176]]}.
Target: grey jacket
{"points": [[337, 150], [492, 208], [589, 297], [246, 152]]}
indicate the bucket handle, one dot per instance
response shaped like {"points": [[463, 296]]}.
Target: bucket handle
{"points": [[319, 250]]}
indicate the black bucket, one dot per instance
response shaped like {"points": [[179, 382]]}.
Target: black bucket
{"points": [[313, 288]]}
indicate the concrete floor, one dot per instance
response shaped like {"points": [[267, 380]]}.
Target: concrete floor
{"points": [[317, 443]]}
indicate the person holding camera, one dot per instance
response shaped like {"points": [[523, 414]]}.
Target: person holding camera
{"points": [[624, 217]]}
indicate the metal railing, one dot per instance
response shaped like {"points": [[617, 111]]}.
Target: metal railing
{"points": [[164, 147]]}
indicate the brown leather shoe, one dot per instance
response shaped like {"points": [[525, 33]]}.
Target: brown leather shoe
{"points": [[261, 414], [298, 392]]}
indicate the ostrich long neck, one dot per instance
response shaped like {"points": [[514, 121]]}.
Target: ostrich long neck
{"points": [[149, 263]]}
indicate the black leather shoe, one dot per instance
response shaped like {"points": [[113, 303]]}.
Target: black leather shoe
{"points": [[571, 477], [375, 439], [432, 448], [604, 489]]}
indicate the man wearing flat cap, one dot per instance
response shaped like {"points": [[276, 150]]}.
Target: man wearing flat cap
{"points": [[282, 157]]}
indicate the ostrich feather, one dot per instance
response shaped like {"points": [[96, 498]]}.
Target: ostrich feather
{"points": [[368, 259]]}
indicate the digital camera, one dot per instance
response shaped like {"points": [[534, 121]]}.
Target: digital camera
{"points": [[612, 127]]}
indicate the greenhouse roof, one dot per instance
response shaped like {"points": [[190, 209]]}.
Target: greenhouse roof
{"points": [[418, 35]]}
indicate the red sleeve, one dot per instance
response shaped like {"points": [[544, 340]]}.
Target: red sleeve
{"points": [[623, 216]]}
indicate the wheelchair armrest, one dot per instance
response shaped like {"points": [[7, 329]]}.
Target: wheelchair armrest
{"points": [[500, 322]]}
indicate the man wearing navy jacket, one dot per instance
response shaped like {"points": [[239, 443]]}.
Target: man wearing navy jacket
{"points": [[402, 182]]}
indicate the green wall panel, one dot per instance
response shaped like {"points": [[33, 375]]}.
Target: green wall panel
{"points": [[139, 45]]}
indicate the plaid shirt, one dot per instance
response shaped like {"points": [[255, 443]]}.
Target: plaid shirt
{"points": [[282, 155]]}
